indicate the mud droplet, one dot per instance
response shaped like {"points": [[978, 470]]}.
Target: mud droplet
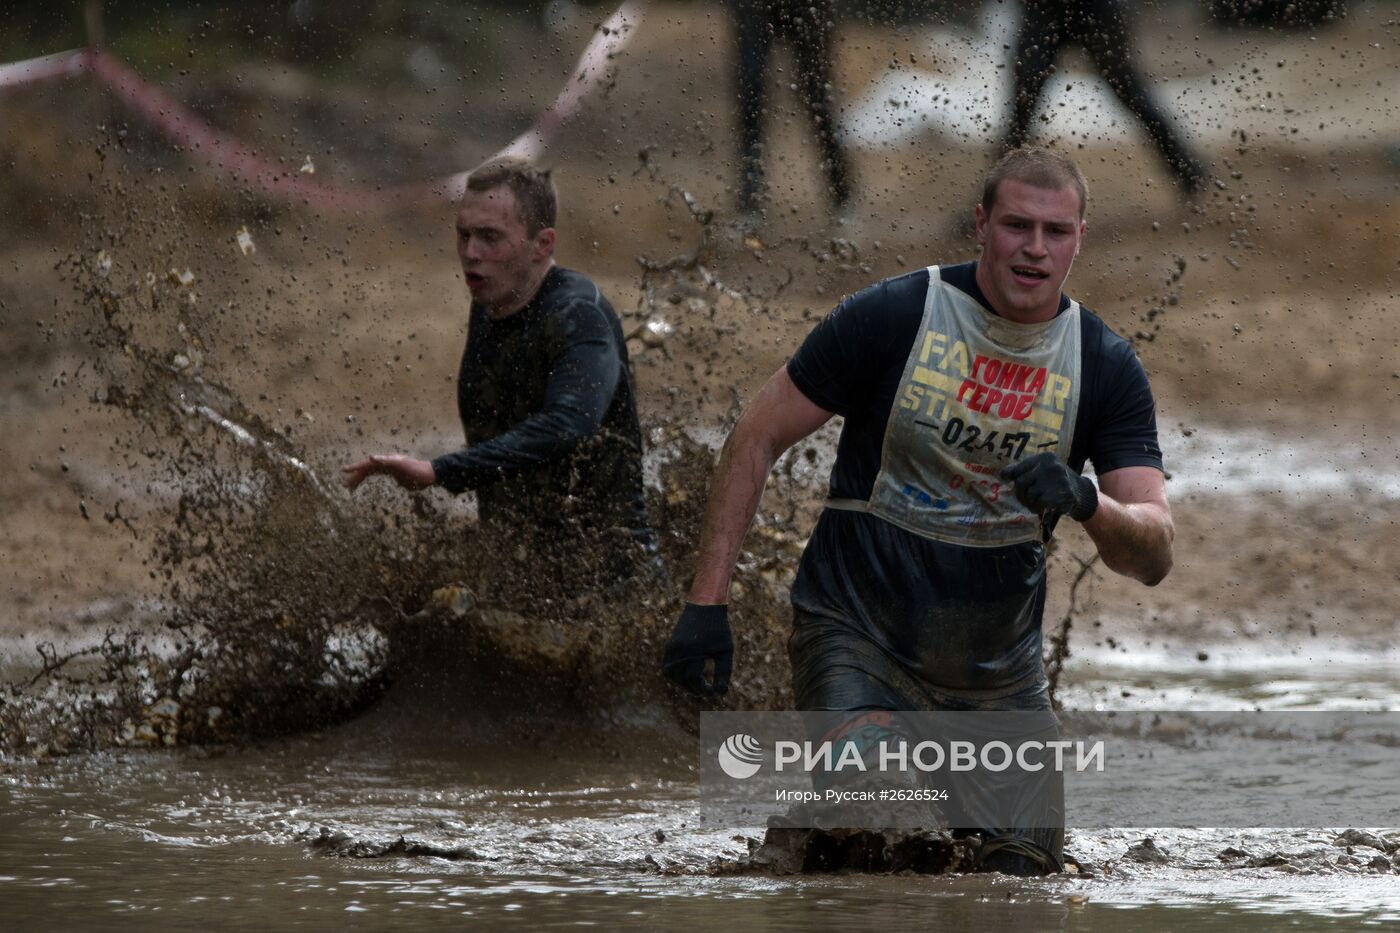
{"points": [[655, 332], [245, 241]]}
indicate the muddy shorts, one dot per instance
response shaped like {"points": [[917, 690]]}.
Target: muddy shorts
{"points": [[835, 668]]}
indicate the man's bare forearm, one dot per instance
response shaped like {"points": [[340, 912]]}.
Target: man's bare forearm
{"points": [[1133, 539], [779, 417], [735, 491]]}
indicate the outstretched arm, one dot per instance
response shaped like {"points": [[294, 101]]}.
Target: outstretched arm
{"points": [[779, 416], [1132, 526], [583, 379], [410, 473]]}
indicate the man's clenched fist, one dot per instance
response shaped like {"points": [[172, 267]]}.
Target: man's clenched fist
{"points": [[702, 634], [1047, 486]]}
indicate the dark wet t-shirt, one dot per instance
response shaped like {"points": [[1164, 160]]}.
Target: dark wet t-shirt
{"points": [[549, 412], [960, 618]]}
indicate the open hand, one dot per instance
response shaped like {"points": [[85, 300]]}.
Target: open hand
{"points": [[408, 472]]}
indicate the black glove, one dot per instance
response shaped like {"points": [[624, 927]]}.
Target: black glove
{"points": [[702, 633], [1048, 487]]}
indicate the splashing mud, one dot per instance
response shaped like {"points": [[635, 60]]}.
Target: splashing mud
{"points": [[268, 621], [286, 604]]}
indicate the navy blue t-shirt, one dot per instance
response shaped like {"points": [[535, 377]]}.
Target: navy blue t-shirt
{"points": [[962, 619]]}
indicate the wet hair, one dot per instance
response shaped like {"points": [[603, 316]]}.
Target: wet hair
{"points": [[536, 202], [1040, 168]]}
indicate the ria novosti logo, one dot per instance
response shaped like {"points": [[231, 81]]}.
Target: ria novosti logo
{"points": [[740, 756]]}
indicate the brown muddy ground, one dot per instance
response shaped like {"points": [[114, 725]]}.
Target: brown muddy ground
{"points": [[1274, 298]]}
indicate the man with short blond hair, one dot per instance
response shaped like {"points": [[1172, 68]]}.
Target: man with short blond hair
{"points": [[545, 394], [1040, 168], [973, 395]]}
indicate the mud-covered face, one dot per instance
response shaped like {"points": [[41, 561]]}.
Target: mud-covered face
{"points": [[1029, 242], [502, 262]]}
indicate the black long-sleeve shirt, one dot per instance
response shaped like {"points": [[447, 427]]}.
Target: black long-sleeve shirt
{"points": [[549, 412]]}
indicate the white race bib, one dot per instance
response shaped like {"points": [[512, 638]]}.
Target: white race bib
{"points": [[978, 393]]}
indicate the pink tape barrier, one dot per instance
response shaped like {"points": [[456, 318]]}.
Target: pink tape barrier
{"points": [[47, 68], [192, 133], [594, 67]]}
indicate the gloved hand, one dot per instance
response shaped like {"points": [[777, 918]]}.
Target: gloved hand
{"points": [[702, 633], [1047, 486]]}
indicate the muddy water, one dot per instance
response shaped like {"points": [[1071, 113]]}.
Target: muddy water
{"points": [[1326, 676], [474, 793], [511, 809]]}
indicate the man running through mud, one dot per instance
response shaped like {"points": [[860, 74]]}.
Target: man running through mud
{"points": [[545, 394], [973, 395]]}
